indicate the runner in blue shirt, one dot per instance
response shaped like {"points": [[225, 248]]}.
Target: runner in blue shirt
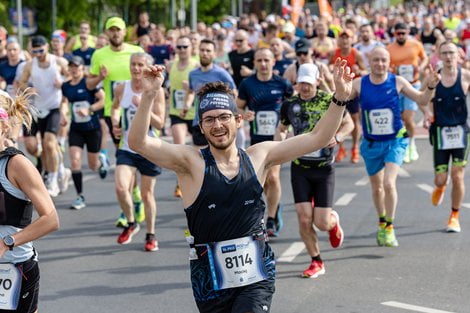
{"points": [[262, 94]]}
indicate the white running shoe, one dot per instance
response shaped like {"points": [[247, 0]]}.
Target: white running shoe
{"points": [[64, 179], [78, 204], [53, 188]]}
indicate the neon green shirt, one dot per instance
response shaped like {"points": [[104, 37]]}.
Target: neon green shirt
{"points": [[117, 63], [78, 44], [177, 93]]}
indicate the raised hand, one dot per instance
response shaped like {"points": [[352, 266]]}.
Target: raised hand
{"points": [[153, 78], [343, 78], [434, 77]]}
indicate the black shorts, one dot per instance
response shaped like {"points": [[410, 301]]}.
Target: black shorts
{"points": [[107, 119], [442, 158], [178, 120], [198, 137], [144, 166], [90, 138], [50, 124], [353, 107], [100, 113], [254, 298], [29, 293], [32, 131], [316, 183]]}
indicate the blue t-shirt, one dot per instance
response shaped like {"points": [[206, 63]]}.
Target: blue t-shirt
{"points": [[160, 53], [8, 73], [265, 99], [86, 55], [282, 65], [80, 97], [198, 78]]}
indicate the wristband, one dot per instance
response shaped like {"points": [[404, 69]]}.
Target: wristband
{"points": [[341, 103]]}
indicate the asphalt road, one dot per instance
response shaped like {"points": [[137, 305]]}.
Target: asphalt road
{"points": [[83, 269]]}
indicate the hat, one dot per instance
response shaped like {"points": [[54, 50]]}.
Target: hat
{"points": [[308, 73], [76, 60], [346, 32], [38, 41], [116, 22], [288, 28], [60, 34], [400, 26], [302, 45]]}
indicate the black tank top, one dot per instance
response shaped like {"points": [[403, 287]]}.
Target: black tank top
{"points": [[428, 39], [449, 104], [226, 208], [13, 211], [143, 30]]}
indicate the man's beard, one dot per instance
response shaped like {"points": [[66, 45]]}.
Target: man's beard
{"points": [[401, 43], [205, 62], [221, 145], [115, 42]]}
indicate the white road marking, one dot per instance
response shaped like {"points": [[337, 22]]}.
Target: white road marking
{"points": [[403, 173], [411, 307], [425, 187], [345, 199], [292, 252], [363, 181], [466, 205]]}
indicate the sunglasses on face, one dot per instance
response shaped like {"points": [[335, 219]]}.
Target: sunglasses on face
{"points": [[37, 51], [182, 47], [400, 33], [301, 53]]}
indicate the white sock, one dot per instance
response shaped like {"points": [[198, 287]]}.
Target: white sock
{"points": [[52, 176]]}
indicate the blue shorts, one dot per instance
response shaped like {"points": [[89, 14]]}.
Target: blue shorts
{"points": [[407, 103], [377, 153], [144, 166]]}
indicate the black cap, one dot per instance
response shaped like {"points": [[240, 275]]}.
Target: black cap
{"points": [[302, 45], [400, 26], [76, 60], [38, 41]]}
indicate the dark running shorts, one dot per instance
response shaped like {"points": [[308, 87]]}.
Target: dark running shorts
{"points": [[90, 138], [178, 120], [144, 166], [316, 183]]}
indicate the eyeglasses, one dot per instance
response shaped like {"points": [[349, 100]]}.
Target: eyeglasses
{"points": [[37, 51], [182, 47], [239, 40], [301, 53], [210, 120]]}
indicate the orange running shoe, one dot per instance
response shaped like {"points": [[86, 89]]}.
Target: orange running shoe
{"points": [[453, 225], [178, 193], [354, 155], [342, 153], [438, 195]]}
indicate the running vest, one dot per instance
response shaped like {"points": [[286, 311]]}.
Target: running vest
{"points": [[48, 96], [176, 89], [226, 208], [350, 58], [128, 110], [15, 209], [449, 104], [381, 119], [428, 41]]}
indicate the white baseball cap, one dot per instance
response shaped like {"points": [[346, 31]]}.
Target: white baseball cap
{"points": [[308, 73]]}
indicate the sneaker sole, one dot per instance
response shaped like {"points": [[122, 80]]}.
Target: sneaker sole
{"points": [[130, 237], [452, 230], [77, 208], [322, 272], [151, 250], [340, 228]]}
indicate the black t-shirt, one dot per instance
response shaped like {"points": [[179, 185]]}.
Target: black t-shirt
{"points": [[237, 60]]}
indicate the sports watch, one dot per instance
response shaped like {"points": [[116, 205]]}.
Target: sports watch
{"points": [[9, 241]]}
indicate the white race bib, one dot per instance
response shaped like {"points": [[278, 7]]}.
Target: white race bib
{"points": [[236, 263], [381, 122], [76, 106], [452, 138], [178, 98], [10, 286], [428, 48], [314, 154], [407, 72], [266, 123]]}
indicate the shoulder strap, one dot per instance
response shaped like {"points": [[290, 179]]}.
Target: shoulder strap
{"points": [[9, 152]]}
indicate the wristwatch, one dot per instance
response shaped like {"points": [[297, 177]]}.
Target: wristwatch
{"points": [[9, 241], [338, 138], [341, 103]]}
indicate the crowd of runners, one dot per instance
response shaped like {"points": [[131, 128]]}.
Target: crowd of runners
{"points": [[224, 105]]}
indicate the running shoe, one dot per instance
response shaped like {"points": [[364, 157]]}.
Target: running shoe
{"points": [[278, 220], [414, 156], [79, 203], [438, 195], [336, 234], [136, 196], [53, 188], [407, 157], [342, 153], [151, 244], [355, 155], [390, 239], [126, 236], [315, 269], [381, 235], [63, 180], [139, 212], [121, 221], [178, 193], [453, 225], [271, 228], [104, 165]]}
